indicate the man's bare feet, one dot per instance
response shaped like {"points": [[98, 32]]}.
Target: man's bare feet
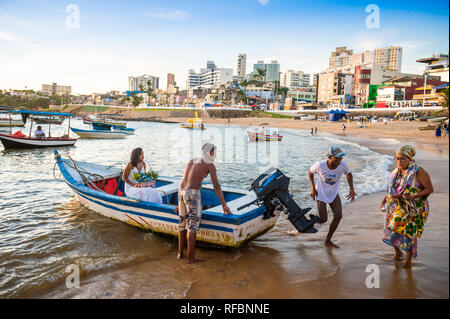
{"points": [[398, 255], [407, 265], [193, 261], [180, 256], [330, 244]]}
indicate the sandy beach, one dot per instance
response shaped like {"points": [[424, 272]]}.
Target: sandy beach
{"points": [[313, 271]]}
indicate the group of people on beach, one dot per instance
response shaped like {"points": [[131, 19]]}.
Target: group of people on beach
{"points": [[405, 204], [440, 128]]}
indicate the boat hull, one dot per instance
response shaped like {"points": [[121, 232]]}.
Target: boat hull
{"points": [[7, 123], [25, 142], [99, 134], [209, 233], [261, 137]]}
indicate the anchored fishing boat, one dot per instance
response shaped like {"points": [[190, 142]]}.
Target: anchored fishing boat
{"points": [[108, 122], [99, 133], [48, 120], [6, 120], [101, 189], [261, 136], [194, 123], [20, 140]]}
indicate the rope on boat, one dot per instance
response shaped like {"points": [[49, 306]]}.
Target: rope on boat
{"points": [[81, 171]]}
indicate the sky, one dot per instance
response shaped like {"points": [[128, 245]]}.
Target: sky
{"points": [[94, 46]]}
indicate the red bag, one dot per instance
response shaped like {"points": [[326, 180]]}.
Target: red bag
{"points": [[18, 134]]}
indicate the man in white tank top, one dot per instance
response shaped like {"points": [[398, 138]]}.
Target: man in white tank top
{"points": [[326, 191]]}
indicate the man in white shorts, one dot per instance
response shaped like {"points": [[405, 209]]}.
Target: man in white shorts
{"points": [[326, 191]]}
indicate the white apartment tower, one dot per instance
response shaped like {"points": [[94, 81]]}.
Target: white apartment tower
{"points": [[134, 82], [241, 65], [345, 60], [294, 80], [209, 77]]}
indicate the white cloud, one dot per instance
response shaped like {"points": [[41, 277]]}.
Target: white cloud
{"points": [[7, 36], [263, 2], [173, 15]]}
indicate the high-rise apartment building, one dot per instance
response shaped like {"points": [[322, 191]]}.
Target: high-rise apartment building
{"points": [[171, 80], [294, 80], [209, 77], [135, 82], [334, 86], [345, 60], [272, 70], [241, 70], [54, 89]]}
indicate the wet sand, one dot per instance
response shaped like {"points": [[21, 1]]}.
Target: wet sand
{"points": [[303, 267]]}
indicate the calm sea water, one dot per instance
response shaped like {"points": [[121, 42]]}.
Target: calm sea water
{"points": [[43, 228]]}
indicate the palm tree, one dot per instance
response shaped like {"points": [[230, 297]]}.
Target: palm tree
{"points": [[242, 96], [260, 74], [445, 105], [284, 91]]}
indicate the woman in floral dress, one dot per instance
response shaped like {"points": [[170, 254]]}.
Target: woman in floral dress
{"points": [[407, 205]]}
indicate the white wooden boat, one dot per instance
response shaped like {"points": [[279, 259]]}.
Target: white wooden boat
{"points": [[99, 133], [215, 228], [20, 140], [5, 122], [11, 141], [307, 117]]}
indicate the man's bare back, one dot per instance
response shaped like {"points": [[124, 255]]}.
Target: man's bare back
{"points": [[196, 170]]}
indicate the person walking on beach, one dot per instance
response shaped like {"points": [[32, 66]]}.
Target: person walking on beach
{"points": [[343, 128], [315, 131], [312, 131], [407, 205], [329, 173], [190, 200], [438, 131]]}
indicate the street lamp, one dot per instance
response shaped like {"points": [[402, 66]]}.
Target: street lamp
{"points": [[424, 89]]}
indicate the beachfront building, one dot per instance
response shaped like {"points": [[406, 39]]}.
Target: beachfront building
{"points": [[302, 95], [272, 70], [209, 77], [430, 95], [136, 82], [370, 77], [294, 80], [335, 88], [241, 70], [410, 82], [55, 89], [437, 65], [345, 60]]}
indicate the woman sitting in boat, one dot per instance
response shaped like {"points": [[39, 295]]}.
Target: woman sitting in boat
{"points": [[39, 133], [135, 190]]}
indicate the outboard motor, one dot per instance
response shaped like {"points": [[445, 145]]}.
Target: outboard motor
{"points": [[272, 191]]}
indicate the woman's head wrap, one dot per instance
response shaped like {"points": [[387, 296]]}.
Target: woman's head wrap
{"points": [[407, 150]]}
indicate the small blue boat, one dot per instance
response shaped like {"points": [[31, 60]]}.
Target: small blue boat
{"points": [[99, 133]]}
